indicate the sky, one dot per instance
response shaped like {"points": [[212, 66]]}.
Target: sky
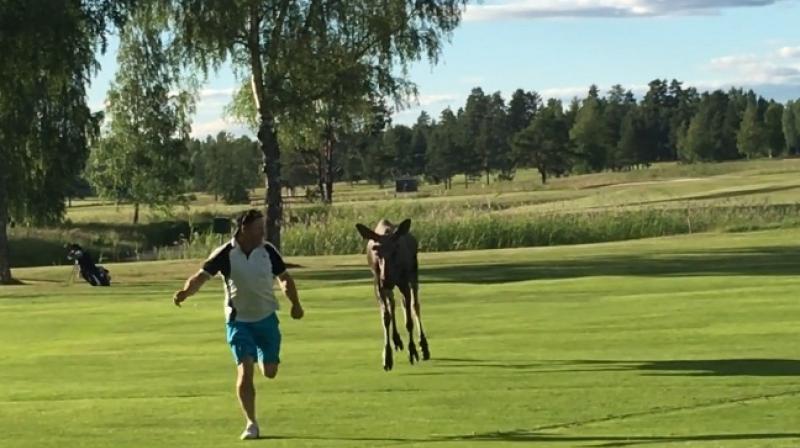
{"points": [[560, 47]]}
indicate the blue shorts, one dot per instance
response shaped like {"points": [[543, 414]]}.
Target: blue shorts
{"points": [[259, 340]]}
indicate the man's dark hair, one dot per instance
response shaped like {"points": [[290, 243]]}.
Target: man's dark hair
{"points": [[246, 218]]}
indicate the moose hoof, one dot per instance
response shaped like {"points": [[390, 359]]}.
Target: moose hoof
{"points": [[413, 356], [426, 354], [398, 343], [388, 362]]}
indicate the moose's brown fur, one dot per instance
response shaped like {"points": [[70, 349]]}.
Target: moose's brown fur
{"points": [[392, 257]]}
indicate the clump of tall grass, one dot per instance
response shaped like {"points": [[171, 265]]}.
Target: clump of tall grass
{"points": [[199, 246], [447, 230], [331, 230]]}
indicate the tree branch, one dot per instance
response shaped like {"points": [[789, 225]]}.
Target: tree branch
{"points": [[254, 47]]}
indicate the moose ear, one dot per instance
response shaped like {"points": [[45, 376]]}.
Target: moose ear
{"points": [[403, 228], [366, 233]]}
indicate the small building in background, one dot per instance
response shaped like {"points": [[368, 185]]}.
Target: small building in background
{"points": [[406, 184]]}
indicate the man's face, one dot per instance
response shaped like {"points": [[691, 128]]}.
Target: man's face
{"points": [[253, 232]]}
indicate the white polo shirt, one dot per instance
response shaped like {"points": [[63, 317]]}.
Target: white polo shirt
{"points": [[248, 279]]}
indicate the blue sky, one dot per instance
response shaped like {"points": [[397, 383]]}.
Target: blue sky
{"points": [[560, 47]]}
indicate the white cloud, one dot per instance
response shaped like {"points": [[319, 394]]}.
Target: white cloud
{"points": [[564, 93], [437, 98], [789, 52], [537, 9], [781, 67], [214, 99], [226, 93], [774, 74], [727, 62], [432, 103], [213, 127], [407, 115]]}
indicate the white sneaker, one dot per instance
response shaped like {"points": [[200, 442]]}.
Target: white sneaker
{"points": [[250, 432]]}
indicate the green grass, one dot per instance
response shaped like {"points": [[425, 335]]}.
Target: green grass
{"points": [[680, 341]]}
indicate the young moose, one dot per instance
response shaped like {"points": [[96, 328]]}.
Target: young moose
{"points": [[392, 257]]}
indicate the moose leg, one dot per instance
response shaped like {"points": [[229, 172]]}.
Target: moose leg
{"points": [[388, 362], [423, 341], [386, 316], [398, 341], [412, 349]]}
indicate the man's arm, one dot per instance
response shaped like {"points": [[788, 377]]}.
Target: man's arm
{"points": [[193, 284], [290, 290]]}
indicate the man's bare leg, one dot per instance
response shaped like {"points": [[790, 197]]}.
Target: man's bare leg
{"points": [[245, 389]]}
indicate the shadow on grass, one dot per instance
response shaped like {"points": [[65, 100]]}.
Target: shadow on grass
{"points": [[702, 367], [13, 282], [615, 441], [526, 436], [698, 367]]}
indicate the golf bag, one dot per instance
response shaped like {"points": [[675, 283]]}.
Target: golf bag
{"points": [[93, 274]]}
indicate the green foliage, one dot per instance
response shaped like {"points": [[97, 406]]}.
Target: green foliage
{"points": [[521, 109], [591, 136], [380, 162], [142, 157], [751, 139], [471, 121], [545, 143], [298, 55], [227, 167], [444, 149], [711, 135], [419, 144], [790, 124], [617, 106], [399, 140], [631, 149], [495, 145], [48, 51], [773, 127]]}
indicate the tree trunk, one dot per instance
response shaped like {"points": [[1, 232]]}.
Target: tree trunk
{"points": [[543, 173], [136, 213], [321, 175], [487, 177], [272, 169], [267, 135], [5, 263], [329, 141]]}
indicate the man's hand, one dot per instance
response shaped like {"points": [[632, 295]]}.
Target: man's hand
{"points": [[191, 287], [180, 296], [297, 311]]}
